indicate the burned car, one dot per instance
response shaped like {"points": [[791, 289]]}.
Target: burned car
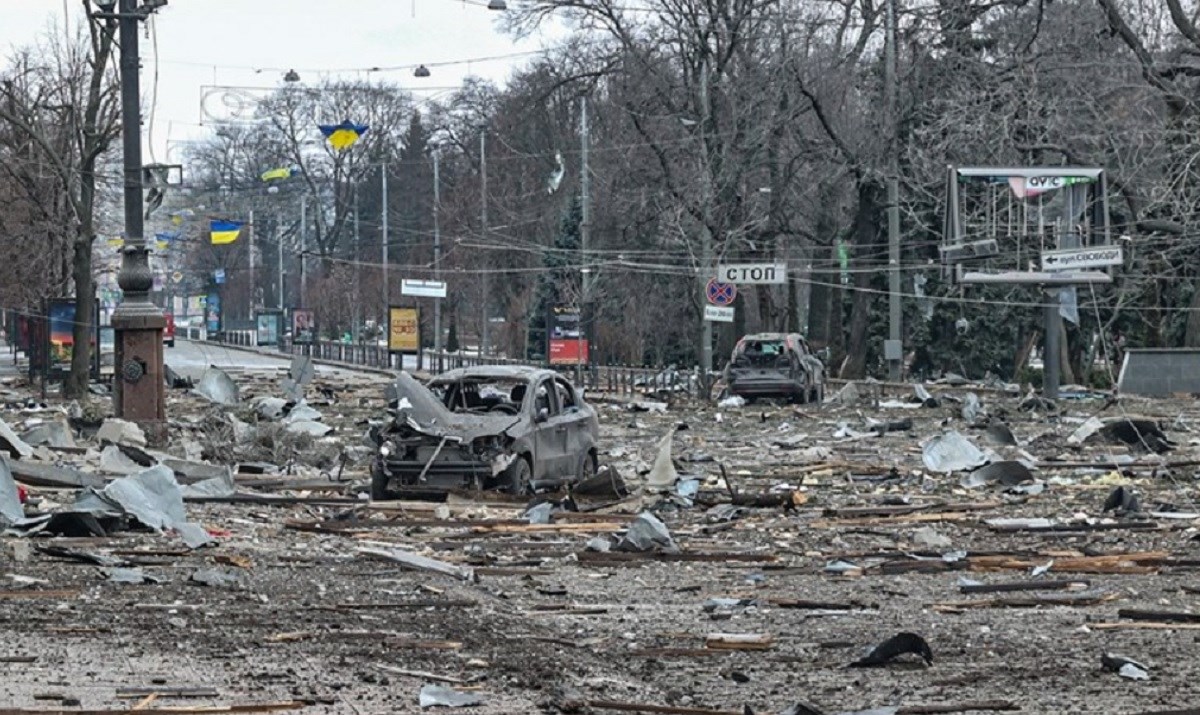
{"points": [[506, 427], [775, 365]]}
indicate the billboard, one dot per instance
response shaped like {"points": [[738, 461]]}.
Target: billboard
{"points": [[268, 326], [566, 347], [304, 327], [212, 312], [60, 337], [404, 330]]}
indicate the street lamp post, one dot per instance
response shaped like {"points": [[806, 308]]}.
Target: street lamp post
{"points": [[138, 388]]}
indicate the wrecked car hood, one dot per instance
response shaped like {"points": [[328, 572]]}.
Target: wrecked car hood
{"points": [[421, 410]]}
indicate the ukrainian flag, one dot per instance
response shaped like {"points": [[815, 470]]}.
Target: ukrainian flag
{"points": [[164, 239], [272, 174], [224, 232], [343, 136]]}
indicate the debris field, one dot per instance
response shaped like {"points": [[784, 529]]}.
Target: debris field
{"points": [[939, 549]]}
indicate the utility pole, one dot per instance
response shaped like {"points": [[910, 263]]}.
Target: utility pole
{"points": [[706, 267], [584, 231], [894, 350], [357, 273], [1051, 351], [303, 250], [279, 261], [383, 239], [483, 218], [138, 388], [437, 260], [253, 284]]}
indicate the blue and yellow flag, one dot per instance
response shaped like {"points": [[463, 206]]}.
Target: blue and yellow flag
{"points": [[343, 136], [225, 232], [177, 217], [281, 173], [115, 242], [163, 240]]}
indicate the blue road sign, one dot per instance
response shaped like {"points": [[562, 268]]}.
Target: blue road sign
{"points": [[719, 293]]}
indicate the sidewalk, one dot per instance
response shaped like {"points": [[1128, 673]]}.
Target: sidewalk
{"points": [[10, 366]]}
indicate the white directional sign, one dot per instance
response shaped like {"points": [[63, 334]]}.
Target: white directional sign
{"points": [[423, 289], [752, 273], [718, 314], [1069, 259]]}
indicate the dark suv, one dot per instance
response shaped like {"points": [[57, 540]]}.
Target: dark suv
{"points": [[775, 365]]}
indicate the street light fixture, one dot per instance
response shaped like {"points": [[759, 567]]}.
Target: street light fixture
{"points": [[291, 76], [497, 5], [421, 71]]}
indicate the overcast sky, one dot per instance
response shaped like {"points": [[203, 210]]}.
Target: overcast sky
{"points": [[251, 43]]}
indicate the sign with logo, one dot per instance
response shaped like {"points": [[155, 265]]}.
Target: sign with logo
{"points": [[1078, 258], [176, 277], [568, 352], [719, 293], [219, 276], [718, 314], [753, 273], [423, 289], [404, 330]]}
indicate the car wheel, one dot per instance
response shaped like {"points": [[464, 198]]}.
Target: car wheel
{"points": [[518, 476], [587, 467], [379, 484], [170, 343]]}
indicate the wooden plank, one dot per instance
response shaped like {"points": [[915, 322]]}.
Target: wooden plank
{"points": [[641, 708], [198, 710], [30, 594], [1061, 585], [1134, 614], [739, 641]]}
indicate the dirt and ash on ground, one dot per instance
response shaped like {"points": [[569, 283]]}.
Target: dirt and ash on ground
{"points": [[297, 607]]}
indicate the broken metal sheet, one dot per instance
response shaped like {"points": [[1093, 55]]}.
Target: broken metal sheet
{"points": [[1123, 500], [53, 433], [216, 386], [539, 513], [271, 408], [220, 486], [12, 444], [890, 649], [88, 557], [923, 396], [151, 496], [11, 510], [732, 401], [1008, 473], [189, 472], [300, 373], [129, 575], [972, 408], [1125, 667], [662, 474], [219, 578], [999, 433], [421, 563], [117, 431], [70, 524], [1090, 427], [302, 412], [440, 696], [647, 533], [951, 452], [113, 460], [308, 427]]}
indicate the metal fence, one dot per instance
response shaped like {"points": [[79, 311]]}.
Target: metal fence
{"points": [[663, 382]]}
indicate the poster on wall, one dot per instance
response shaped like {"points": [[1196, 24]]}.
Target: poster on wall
{"points": [[566, 346]]}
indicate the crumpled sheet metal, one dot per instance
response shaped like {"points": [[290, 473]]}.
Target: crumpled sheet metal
{"points": [[153, 497], [951, 452]]}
